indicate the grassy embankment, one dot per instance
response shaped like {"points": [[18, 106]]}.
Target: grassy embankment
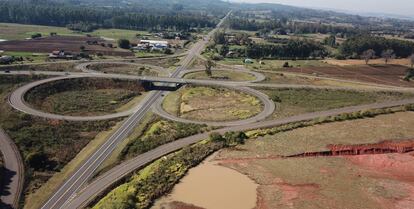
{"points": [[159, 132], [211, 104], [58, 67], [124, 69], [140, 191], [46, 145], [221, 75], [291, 102]]}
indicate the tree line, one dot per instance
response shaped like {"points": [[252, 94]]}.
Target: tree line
{"points": [[294, 49], [283, 26], [83, 17], [357, 46]]}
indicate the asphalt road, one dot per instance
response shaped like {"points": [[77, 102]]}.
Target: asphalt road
{"points": [[268, 109], [105, 180], [84, 67], [16, 99], [87, 169], [13, 173], [258, 76]]}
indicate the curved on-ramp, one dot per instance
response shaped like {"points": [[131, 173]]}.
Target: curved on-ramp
{"points": [[13, 173], [268, 109], [84, 67], [258, 76], [104, 181], [17, 101]]}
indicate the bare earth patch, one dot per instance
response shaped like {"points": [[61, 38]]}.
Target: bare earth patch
{"points": [[337, 182]]}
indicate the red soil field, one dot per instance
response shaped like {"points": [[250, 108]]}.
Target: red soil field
{"points": [[363, 149], [379, 74], [67, 43]]}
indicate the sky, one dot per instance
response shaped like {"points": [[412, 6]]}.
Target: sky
{"points": [[398, 7]]}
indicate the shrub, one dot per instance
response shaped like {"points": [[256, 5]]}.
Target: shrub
{"points": [[216, 137], [124, 44], [36, 35]]}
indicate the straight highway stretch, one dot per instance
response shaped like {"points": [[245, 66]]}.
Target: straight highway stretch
{"points": [[71, 186]]}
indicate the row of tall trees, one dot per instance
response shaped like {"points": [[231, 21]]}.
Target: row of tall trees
{"points": [[291, 26], [295, 48], [358, 47], [83, 17]]}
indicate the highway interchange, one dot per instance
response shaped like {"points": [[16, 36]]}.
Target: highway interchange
{"points": [[76, 192]]}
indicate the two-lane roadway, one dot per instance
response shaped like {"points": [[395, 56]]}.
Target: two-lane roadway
{"points": [[69, 188]]}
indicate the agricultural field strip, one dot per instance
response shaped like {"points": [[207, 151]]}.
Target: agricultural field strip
{"points": [[69, 189], [104, 181]]}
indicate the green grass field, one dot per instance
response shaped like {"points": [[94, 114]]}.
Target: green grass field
{"points": [[28, 57], [291, 102], [87, 102]]}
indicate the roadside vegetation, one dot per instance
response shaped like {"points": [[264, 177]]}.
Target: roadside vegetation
{"points": [[1, 172], [159, 178], [221, 75], [291, 102], [59, 67], [124, 69], [139, 191], [211, 104], [159, 132], [84, 96], [46, 145]]}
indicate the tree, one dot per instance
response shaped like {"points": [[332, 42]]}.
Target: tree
{"points": [[330, 41], [388, 55], [224, 50], [36, 35], [367, 55], [216, 137], [234, 138], [124, 43], [168, 51], [209, 64], [412, 60], [219, 37]]}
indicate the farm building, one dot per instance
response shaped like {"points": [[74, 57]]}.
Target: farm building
{"points": [[61, 55], [151, 45], [248, 61]]}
